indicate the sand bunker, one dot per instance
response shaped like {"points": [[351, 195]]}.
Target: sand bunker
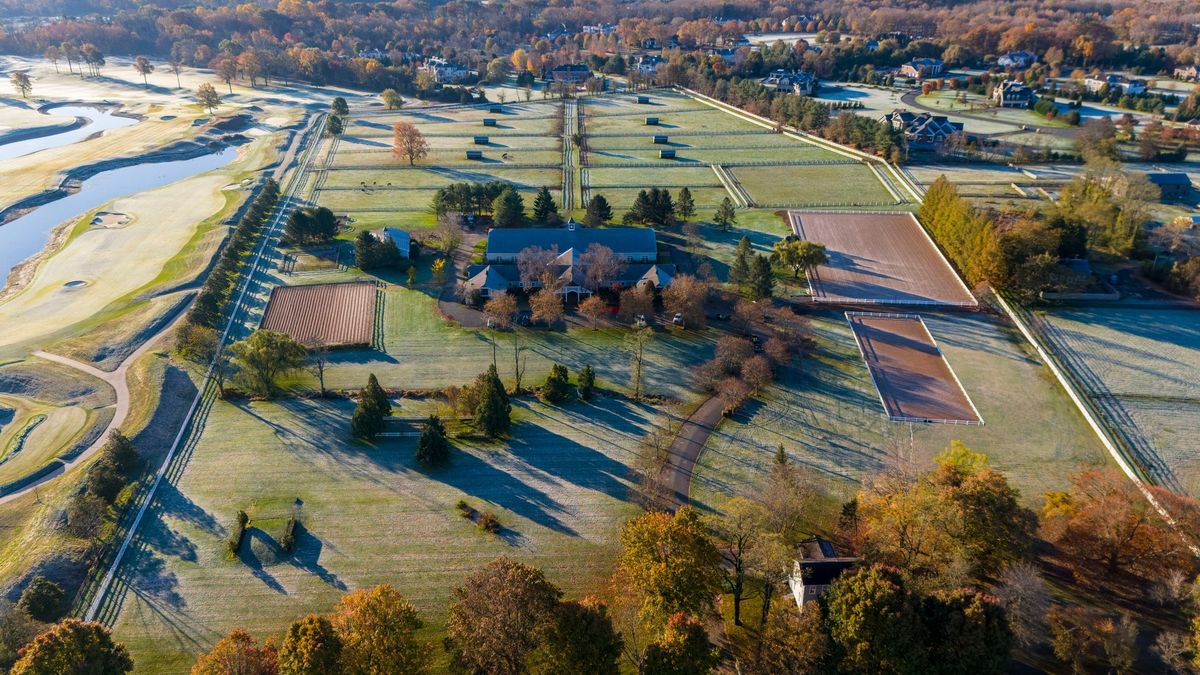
{"points": [[275, 121], [110, 219]]}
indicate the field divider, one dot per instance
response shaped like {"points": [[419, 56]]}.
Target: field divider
{"points": [[1128, 465], [294, 182], [887, 184], [726, 182]]}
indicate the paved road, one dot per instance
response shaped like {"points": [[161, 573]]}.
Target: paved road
{"points": [[686, 449], [910, 99], [118, 380]]}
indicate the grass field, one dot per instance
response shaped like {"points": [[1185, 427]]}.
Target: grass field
{"points": [[1139, 367], [34, 432], [369, 515], [828, 417], [838, 184]]}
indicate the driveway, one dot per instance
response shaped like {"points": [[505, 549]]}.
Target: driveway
{"points": [[686, 448]]}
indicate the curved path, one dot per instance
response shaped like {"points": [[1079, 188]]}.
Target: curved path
{"points": [[118, 380], [686, 448]]}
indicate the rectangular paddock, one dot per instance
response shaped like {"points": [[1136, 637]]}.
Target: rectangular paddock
{"points": [[339, 315], [914, 381], [878, 258]]}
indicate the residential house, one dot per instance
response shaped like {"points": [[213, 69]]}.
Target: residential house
{"points": [[1112, 81], [649, 63], [444, 71], [922, 130], [650, 43], [600, 29], [799, 81], [1018, 59], [1173, 185], [922, 68], [636, 247], [727, 54], [398, 237], [570, 73], [1013, 94], [815, 568], [1191, 73]]}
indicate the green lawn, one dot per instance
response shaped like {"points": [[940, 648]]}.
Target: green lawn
{"points": [[369, 515], [839, 184], [828, 416]]}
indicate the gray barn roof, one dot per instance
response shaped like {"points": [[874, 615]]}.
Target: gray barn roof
{"points": [[624, 241]]}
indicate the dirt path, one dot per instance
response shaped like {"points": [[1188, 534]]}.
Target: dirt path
{"points": [[687, 446], [118, 380]]}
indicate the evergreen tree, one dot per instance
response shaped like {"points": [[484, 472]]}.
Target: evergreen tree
{"points": [[339, 107], [739, 272], [544, 209], [557, 386], [508, 209], [761, 283], [373, 407], [492, 413], [433, 448], [685, 205], [365, 255], [599, 211], [587, 383], [725, 217]]}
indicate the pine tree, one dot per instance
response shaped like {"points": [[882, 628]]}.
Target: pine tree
{"points": [[379, 398], [544, 209], [433, 448], [599, 211], [492, 413], [739, 272], [685, 206], [373, 407], [725, 217], [762, 279], [508, 209], [557, 385], [587, 383]]}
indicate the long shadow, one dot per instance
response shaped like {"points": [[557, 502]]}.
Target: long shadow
{"points": [[258, 566], [307, 555]]}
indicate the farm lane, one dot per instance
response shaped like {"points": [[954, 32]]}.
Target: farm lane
{"points": [[118, 380], [687, 446]]}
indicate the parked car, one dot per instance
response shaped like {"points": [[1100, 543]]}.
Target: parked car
{"points": [[720, 317], [677, 319], [639, 321]]}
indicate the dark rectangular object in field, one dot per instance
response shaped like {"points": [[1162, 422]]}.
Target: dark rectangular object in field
{"points": [[666, 154], [914, 381], [878, 258], [340, 315]]}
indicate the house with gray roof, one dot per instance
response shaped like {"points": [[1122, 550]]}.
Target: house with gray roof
{"points": [[635, 247], [816, 566]]}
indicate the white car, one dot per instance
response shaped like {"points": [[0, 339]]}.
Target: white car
{"points": [[677, 319]]}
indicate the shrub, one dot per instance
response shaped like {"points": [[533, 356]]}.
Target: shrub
{"points": [[587, 383], [488, 522], [557, 387], [43, 599], [239, 531], [463, 507], [288, 541]]}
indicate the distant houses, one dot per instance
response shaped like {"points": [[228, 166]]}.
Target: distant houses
{"points": [[816, 567], [1189, 73], [922, 130], [649, 64], [798, 81], [918, 68], [1113, 81], [569, 73], [600, 29], [1017, 59], [1013, 94], [445, 72]]}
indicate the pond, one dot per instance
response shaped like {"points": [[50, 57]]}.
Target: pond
{"points": [[26, 236], [98, 120]]}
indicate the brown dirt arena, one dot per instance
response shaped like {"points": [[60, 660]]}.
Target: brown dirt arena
{"points": [[883, 258], [340, 315], [914, 381]]}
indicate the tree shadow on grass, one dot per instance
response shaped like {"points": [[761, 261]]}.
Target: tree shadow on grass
{"points": [[149, 577], [267, 553], [306, 556]]}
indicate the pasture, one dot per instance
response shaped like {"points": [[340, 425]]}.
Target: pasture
{"points": [[878, 258], [1138, 367], [826, 413], [369, 514]]}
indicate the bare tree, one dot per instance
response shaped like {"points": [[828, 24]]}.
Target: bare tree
{"points": [[547, 305], [757, 373], [532, 262], [593, 308], [449, 232], [686, 295], [635, 302], [21, 82], [1026, 599], [635, 345], [318, 359], [601, 266], [408, 142]]}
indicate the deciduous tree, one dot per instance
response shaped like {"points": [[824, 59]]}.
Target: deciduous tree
{"points": [[686, 295], [377, 628], [21, 82], [671, 562], [408, 142], [683, 649], [593, 308], [265, 356], [143, 67], [578, 637], [310, 647], [208, 97], [495, 616], [801, 254], [74, 648]]}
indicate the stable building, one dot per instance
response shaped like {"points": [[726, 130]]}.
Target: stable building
{"points": [[922, 130], [1013, 94]]}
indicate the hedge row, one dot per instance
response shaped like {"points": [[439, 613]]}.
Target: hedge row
{"points": [[219, 287]]}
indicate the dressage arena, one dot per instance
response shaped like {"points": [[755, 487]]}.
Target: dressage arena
{"points": [[336, 315], [878, 258], [914, 381]]}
